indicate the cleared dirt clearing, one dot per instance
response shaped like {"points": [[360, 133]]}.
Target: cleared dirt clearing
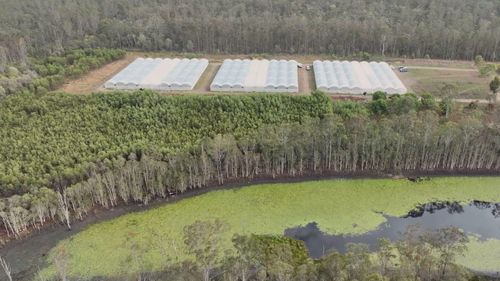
{"points": [[425, 76], [93, 80]]}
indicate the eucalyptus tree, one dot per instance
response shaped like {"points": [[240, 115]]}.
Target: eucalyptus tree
{"points": [[203, 240]]}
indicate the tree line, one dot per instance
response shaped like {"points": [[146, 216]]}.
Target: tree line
{"points": [[448, 29], [353, 138], [417, 255]]}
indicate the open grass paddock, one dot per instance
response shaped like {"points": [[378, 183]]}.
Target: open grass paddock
{"points": [[338, 206]]}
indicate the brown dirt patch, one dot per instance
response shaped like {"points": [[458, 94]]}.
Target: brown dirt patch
{"points": [[93, 80], [306, 80]]}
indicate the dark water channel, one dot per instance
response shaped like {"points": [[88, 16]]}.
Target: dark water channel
{"points": [[479, 218]]}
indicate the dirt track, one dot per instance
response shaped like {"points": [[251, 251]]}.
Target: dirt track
{"points": [[206, 78], [442, 68], [306, 80]]}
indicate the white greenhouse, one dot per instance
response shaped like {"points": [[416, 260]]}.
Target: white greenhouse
{"points": [[352, 77], [159, 74], [256, 76]]}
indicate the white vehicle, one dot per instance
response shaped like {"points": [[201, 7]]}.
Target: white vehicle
{"points": [[403, 69]]}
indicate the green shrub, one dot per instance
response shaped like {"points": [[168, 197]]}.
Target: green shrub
{"points": [[41, 90], [12, 72], [478, 60], [428, 102], [487, 69]]}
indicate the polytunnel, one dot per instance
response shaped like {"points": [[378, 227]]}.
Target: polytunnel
{"points": [[159, 74], [256, 76], [352, 77]]}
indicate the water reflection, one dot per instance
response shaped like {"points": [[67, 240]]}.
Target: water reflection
{"points": [[479, 218]]}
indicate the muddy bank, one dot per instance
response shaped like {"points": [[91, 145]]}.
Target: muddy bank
{"points": [[28, 255]]}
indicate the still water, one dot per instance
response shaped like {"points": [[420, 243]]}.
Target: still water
{"points": [[478, 218]]}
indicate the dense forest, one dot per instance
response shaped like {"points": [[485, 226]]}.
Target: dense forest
{"points": [[54, 139], [450, 29], [418, 255], [63, 155]]}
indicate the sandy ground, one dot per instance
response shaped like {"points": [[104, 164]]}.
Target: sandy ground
{"points": [[427, 75], [306, 80]]}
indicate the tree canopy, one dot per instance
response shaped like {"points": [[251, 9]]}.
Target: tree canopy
{"points": [[450, 29], [62, 155]]}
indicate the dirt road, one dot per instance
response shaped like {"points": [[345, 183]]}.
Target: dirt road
{"points": [[206, 78], [306, 80], [443, 68]]}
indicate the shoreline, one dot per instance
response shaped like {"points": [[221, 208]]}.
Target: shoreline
{"points": [[28, 254]]}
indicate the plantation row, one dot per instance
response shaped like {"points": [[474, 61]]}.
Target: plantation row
{"points": [[414, 141], [55, 140]]}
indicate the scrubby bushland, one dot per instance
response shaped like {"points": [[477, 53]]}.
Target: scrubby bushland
{"points": [[108, 149], [53, 70], [449, 29], [42, 75]]}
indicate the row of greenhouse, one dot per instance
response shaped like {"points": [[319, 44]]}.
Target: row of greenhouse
{"points": [[245, 75]]}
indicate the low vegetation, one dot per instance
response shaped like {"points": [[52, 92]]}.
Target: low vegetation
{"points": [[47, 74], [448, 83], [338, 206], [419, 255]]}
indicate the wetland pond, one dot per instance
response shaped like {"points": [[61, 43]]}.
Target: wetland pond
{"points": [[481, 219]]}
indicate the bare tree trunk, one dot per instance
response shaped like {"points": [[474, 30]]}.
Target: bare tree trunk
{"points": [[63, 204], [6, 268], [206, 274]]}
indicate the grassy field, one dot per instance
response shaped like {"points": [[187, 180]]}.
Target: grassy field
{"points": [[461, 83], [338, 206]]}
